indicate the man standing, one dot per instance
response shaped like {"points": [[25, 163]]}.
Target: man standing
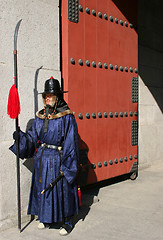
{"points": [[53, 141]]}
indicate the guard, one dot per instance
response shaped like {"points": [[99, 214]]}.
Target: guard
{"points": [[53, 141]]}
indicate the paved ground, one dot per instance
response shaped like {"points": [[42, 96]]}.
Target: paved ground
{"points": [[126, 210]]}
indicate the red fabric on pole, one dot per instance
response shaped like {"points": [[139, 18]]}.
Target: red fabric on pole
{"points": [[13, 107], [79, 196]]}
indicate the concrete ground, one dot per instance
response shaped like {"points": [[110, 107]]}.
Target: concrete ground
{"points": [[119, 209]]}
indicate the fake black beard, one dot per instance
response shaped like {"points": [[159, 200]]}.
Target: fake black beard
{"points": [[48, 110]]}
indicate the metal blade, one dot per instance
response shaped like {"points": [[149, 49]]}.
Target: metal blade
{"points": [[16, 34]]}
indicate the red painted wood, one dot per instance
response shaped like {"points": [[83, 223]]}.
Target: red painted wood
{"points": [[93, 89]]}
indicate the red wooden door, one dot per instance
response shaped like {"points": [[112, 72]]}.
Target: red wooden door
{"points": [[99, 70]]}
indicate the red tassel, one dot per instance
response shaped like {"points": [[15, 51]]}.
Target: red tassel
{"points": [[13, 107], [79, 196]]}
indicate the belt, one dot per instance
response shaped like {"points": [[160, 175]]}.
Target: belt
{"points": [[44, 145]]}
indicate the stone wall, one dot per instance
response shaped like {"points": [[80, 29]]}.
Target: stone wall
{"points": [[150, 21], [38, 60]]}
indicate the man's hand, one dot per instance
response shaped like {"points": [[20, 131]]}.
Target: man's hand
{"points": [[16, 135]]}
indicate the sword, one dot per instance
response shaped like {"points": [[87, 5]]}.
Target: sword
{"points": [[52, 184]]}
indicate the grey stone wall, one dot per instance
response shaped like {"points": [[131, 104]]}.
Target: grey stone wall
{"points": [[38, 59], [150, 22]]}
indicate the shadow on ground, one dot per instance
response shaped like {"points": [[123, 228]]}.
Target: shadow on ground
{"points": [[89, 195]]}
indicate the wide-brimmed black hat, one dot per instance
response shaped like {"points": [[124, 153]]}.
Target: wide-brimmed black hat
{"points": [[52, 86]]}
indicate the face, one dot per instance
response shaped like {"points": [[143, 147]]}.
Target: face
{"points": [[50, 99]]}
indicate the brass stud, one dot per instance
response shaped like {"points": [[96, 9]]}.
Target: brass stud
{"points": [[80, 62], [130, 157], [126, 69], [87, 10], [106, 16], [121, 22], [80, 8], [93, 166], [99, 164], [80, 116], [116, 67], [93, 12], [87, 63], [111, 19], [87, 116], [125, 158], [121, 114], [115, 160], [105, 66], [110, 114], [105, 163], [121, 160], [116, 114], [131, 113], [100, 14], [126, 114], [93, 64], [72, 60], [93, 115], [111, 66], [121, 68], [116, 20], [126, 24], [110, 162], [99, 115], [100, 65]]}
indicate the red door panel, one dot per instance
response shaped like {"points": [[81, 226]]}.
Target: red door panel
{"points": [[99, 70]]}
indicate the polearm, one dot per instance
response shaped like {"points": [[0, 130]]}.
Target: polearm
{"points": [[17, 127], [13, 110]]}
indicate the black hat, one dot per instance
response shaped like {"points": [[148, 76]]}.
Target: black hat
{"points": [[52, 86]]}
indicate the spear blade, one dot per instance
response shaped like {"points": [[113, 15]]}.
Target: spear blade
{"points": [[16, 34]]}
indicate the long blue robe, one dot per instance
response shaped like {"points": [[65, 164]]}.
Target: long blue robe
{"points": [[61, 200]]}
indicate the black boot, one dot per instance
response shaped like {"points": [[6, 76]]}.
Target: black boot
{"points": [[66, 227]]}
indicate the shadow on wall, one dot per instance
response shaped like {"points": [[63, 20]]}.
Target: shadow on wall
{"points": [[86, 172], [147, 18], [35, 91], [150, 19], [28, 163]]}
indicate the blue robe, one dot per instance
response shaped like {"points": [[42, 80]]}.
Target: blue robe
{"points": [[61, 200]]}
